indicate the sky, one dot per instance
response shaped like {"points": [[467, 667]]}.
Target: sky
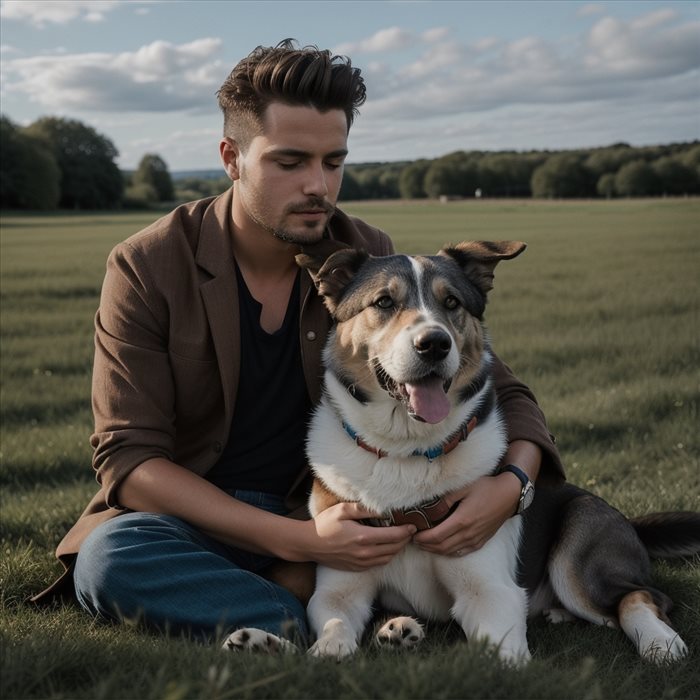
{"points": [[441, 76]]}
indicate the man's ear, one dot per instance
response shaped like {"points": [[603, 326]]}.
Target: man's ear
{"points": [[478, 259], [230, 153], [332, 265]]}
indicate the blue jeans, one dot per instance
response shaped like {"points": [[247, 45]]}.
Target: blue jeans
{"points": [[158, 570]]}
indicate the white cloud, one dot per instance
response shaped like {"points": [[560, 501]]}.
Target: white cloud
{"points": [[42, 12], [157, 77], [614, 59], [654, 19], [592, 8], [640, 49], [391, 39], [435, 34]]}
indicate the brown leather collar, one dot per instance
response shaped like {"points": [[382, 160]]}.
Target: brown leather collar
{"points": [[423, 516], [460, 436]]}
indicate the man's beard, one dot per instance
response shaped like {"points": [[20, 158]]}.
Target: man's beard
{"points": [[297, 237]]}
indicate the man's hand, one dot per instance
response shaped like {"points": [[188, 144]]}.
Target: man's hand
{"points": [[482, 508], [340, 542]]}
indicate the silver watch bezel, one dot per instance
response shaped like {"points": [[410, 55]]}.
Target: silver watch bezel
{"points": [[527, 495]]}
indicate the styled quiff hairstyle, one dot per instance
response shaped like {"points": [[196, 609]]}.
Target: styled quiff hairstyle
{"points": [[294, 76]]}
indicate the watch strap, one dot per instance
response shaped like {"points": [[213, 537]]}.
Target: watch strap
{"points": [[524, 478], [527, 487]]}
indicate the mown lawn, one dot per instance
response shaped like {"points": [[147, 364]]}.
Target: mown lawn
{"points": [[600, 317]]}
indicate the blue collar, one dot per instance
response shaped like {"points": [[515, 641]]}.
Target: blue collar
{"points": [[430, 454]]}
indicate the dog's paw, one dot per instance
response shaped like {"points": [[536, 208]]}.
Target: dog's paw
{"points": [[335, 648], [556, 616], [664, 650], [400, 633], [258, 641], [516, 656], [336, 641]]}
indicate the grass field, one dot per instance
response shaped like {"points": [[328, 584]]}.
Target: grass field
{"points": [[601, 317]]}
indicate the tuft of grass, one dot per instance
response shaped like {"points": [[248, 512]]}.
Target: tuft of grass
{"points": [[599, 317]]}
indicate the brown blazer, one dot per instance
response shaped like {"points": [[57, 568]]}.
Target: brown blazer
{"points": [[167, 353]]}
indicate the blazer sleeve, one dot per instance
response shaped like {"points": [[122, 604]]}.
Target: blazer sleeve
{"points": [[525, 420], [132, 386]]}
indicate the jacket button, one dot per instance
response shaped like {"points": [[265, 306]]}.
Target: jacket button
{"points": [[311, 335], [217, 446]]}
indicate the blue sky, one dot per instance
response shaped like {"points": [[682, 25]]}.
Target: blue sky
{"points": [[441, 76]]}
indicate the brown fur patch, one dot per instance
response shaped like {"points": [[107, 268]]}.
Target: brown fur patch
{"points": [[323, 497], [636, 598], [298, 577]]}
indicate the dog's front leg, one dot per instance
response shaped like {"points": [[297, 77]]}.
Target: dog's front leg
{"points": [[339, 610], [488, 603], [497, 614]]}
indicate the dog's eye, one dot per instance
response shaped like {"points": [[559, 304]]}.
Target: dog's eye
{"points": [[384, 302], [451, 302]]}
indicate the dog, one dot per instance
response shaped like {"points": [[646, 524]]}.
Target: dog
{"points": [[408, 414]]}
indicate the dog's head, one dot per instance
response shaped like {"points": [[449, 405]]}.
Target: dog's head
{"points": [[409, 328]]}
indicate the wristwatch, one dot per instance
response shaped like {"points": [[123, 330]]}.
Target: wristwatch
{"points": [[527, 492]]}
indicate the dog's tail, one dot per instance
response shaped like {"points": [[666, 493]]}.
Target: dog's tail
{"points": [[669, 535]]}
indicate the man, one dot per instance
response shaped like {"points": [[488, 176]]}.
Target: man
{"points": [[207, 362]]}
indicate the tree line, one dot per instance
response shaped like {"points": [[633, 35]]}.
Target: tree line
{"points": [[619, 170], [57, 163]]}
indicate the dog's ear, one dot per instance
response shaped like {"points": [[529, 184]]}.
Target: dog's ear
{"points": [[478, 259], [313, 255], [331, 274]]}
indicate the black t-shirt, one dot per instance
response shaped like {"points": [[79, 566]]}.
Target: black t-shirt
{"points": [[265, 450]]}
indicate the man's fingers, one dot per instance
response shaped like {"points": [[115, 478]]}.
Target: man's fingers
{"points": [[392, 533], [356, 511]]}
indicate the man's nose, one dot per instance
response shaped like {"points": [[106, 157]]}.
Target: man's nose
{"points": [[315, 183]]}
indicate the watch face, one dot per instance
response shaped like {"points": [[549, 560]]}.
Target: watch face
{"points": [[527, 496]]}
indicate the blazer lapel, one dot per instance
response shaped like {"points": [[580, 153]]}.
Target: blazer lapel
{"points": [[220, 294]]}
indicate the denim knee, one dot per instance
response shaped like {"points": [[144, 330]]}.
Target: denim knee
{"points": [[104, 565], [159, 570]]}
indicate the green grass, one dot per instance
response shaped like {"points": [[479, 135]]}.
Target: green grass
{"points": [[600, 317]]}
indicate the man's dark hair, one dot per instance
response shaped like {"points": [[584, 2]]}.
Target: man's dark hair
{"points": [[295, 76]]}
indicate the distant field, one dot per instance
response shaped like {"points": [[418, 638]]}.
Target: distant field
{"points": [[600, 316]]}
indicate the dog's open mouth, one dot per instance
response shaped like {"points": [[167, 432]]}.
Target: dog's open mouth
{"points": [[425, 398]]}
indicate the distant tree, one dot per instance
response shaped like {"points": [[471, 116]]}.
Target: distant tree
{"points": [[90, 179], [411, 180], [442, 180], [606, 185], [691, 159], [609, 160], [454, 175], [379, 180], [153, 171], [507, 174], [29, 176], [389, 182], [190, 188], [562, 175], [636, 179], [141, 196], [350, 189], [673, 176]]}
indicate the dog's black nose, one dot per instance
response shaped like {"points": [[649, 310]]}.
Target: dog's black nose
{"points": [[433, 344]]}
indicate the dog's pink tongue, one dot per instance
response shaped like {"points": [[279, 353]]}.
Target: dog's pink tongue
{"points": [[427, 400]]}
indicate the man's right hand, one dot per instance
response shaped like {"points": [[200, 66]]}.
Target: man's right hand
{"points": [[339, 541]]}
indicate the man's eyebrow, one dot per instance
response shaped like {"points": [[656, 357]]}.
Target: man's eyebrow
{"points": [[297, 153]]}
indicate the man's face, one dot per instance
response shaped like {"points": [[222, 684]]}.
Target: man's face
{"points": [[290, 174]]}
